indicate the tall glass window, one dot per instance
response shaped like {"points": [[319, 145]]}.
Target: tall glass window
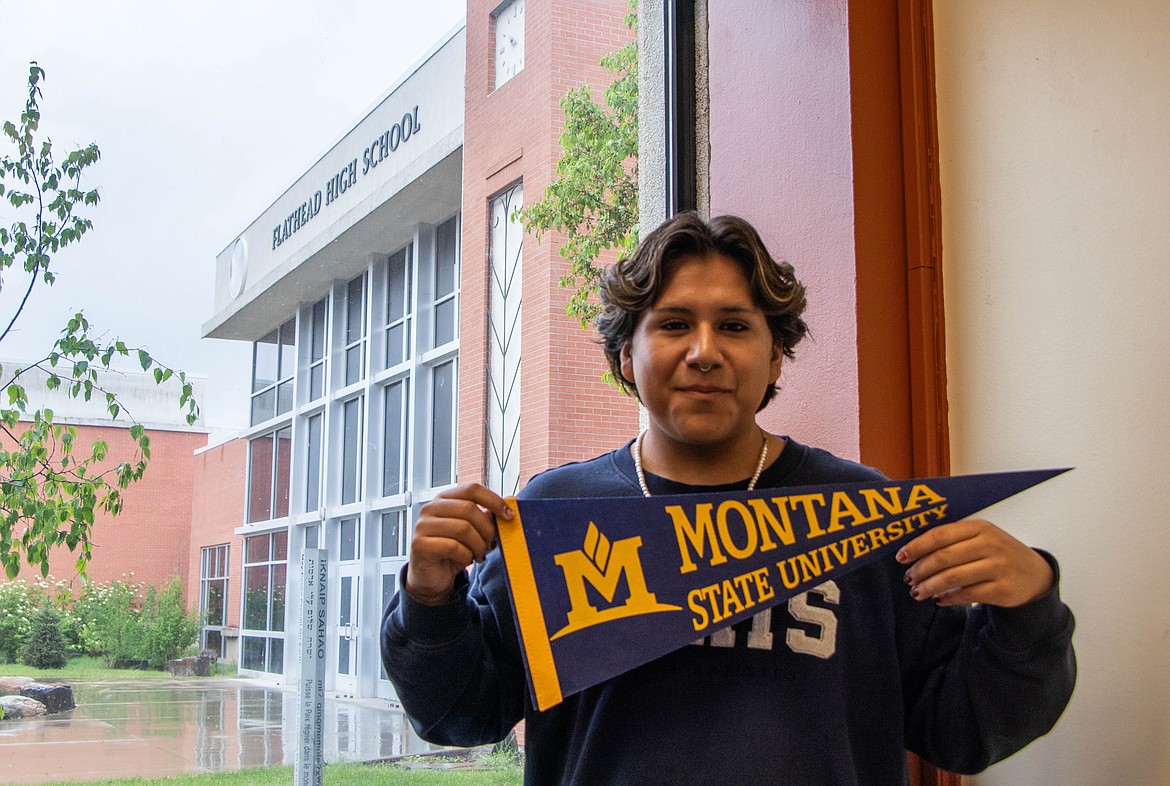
{"points": [[355, 329], [265, 583], [317, 343], [351, 450], [213, 597], [394, 437], [443, 424], [446, 281], [269, 461], [313, 449], [273, 365], [399, 275]]}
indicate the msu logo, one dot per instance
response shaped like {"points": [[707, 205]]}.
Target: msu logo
{"points": [[602, 565]]}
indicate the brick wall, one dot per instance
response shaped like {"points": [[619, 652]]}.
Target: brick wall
{"points": [[149, 538], [512, 135], [218, 490]]}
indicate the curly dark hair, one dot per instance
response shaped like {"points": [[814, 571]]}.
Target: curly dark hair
{"points": [[632, 285]]}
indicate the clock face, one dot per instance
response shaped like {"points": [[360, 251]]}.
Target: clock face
{"points": [[238, 268], [509, 52]]}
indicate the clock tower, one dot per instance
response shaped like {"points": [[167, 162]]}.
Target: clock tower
{"points": [[531, 394]]}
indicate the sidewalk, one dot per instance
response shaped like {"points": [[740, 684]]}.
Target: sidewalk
{"points": [[167, 727]]}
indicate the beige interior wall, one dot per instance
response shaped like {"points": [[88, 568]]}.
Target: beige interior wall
{"points": [[1054, 125]]}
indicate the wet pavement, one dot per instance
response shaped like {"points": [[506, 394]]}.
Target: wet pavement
{"points": [[154, 728]]}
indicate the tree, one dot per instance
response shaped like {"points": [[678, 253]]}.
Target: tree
{"points": [[594, 195], [48, 494]]}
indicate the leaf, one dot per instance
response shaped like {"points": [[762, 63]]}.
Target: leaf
{"points": [[144, 359]]}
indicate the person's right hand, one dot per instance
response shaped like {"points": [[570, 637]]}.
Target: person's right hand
{"points": [[453, 530]]}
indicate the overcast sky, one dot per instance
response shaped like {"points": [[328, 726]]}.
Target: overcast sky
{"points": [[204, 112]]}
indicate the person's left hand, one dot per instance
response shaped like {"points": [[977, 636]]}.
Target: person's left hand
{"points": [[974, 561]]}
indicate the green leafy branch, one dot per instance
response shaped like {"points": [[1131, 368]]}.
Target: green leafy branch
{"points": [[49, 493], [593, 198]]}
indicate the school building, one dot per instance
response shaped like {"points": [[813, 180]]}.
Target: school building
{"points": [[406, 336]]}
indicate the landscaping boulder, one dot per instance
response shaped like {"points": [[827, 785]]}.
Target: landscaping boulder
{"points": [[10, 686], [56, 698], [190, 667], [20, 707]]}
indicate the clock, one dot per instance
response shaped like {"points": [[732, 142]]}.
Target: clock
{"points": [[238, 268], [509, 49]]}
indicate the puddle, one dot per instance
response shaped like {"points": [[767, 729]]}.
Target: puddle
{"points": [[163, 727]]}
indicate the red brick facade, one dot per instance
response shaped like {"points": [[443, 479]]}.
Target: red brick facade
{"points": [[512, 135], [221, 473], [148, 541]]}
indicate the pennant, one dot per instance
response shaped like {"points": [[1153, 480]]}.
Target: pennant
{"points": [[601, 586]]}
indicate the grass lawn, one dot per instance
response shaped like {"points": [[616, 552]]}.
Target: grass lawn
{"points": [[88, 669], [366, 774]]}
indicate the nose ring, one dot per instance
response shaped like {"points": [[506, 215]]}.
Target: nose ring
{"points": [[705, 369]]}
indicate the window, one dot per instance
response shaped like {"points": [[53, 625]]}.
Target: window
{"points": [[355, 330], [316, 425], [269, 458], [273, 365], [398, 306], [394, 531], [394, 436], [265, 577], [351, 450], [446, 281], [317, 344], [443, 424], [213, 592]]}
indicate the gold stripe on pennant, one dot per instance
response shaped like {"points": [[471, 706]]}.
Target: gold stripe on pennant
{"points": [[545, 682]]}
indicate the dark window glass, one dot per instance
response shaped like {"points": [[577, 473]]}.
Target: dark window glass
{"points": [[354, 324], [276, 656], [317, 329], [265, 362], [256, 598], [393, 535], [445, 258], [280, 545], [442, 411], [260, 478], [264, 406], [353, 364], [253, 653], [349, 540], [311, 533], [288, 349], [283, 469], [258, 548], [215, 606], [394, 438], [313, 464], [444, 322], [279, 580], [351, 450]]}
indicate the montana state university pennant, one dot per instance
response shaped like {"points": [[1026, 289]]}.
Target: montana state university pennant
{"points": [[601, 586]]}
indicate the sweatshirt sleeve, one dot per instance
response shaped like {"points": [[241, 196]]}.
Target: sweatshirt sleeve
{"points": [[456, 667], [988, 680]]}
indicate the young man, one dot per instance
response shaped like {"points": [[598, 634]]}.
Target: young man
{"points": [[829, 688]]}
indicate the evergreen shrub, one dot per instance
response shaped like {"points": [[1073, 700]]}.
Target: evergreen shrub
{"points": [[44, 646]]}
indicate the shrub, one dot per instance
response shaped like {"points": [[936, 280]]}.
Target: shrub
{"points": [[109, 618], [169, 628], [44, 647], [18, 601]]}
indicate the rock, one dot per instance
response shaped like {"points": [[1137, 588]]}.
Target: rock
{"points": [[190, 667], [56, 698], [20, 707], [10, 686]]}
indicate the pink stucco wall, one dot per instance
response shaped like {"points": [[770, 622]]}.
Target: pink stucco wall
{"points": [[781, 157]]}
